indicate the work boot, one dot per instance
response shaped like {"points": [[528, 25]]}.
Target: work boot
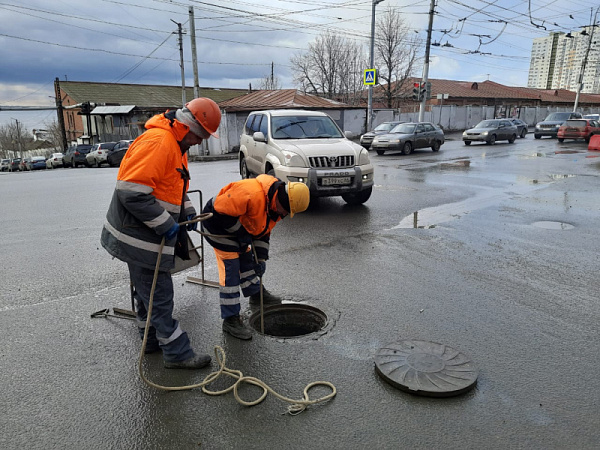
{"points": [[152, 347], [195, 362], [268, 298], [234, 325]]}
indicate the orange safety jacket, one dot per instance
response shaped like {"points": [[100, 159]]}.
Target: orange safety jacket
{"points": [[240, 211], [147, 199]]}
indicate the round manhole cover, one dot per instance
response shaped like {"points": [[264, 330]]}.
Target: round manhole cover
{"points": [[550, 225], [289, 320], [426, 368]]}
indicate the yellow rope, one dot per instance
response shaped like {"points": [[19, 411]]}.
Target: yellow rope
{"points": [[296, 406]]}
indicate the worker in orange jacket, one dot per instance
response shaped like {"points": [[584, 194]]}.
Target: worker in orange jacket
{"points": [[245, 212], [149, 200]]}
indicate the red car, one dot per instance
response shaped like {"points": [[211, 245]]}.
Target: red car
{"points": [[578, 129]]}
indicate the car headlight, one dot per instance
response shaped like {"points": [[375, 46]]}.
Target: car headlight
{"points": [[485, 133], [363, 158], [464, 133], [292, 159]]}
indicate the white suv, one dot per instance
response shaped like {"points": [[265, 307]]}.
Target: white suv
{"points": [[306, 146]]}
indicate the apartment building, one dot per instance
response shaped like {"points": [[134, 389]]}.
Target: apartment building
{"points": [[556, 61]]}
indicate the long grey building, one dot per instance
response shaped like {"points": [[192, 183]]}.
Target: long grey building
{"points": [[557, 60]]}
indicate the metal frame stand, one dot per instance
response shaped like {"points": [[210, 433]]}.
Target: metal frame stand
{"points": [[201, 280]]}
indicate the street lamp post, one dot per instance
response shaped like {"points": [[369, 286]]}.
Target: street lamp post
{"points": [[585, 58], [370, 105]]}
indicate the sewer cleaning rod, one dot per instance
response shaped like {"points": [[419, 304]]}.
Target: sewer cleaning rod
{"points": [[295, 407]]}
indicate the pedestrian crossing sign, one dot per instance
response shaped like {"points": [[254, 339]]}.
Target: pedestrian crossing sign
{"points": [[370, 77]]}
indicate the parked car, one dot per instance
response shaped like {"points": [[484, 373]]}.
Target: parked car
{"points": [[578, 129], [97, 155], [521, 127], [407, 137], [14, 165], [550, 125], [75, 155], [308, 147], [55, 160], [4, 165], [595, 117], [23, 164], [490, 131], [36, 163], [367, 138], [115, 156]]}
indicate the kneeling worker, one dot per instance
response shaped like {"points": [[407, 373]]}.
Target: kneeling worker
{"points": [[246, 211], [148, 202]]}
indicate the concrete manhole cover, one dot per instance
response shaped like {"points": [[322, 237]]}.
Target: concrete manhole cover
{"points": [[426, 368], [549, 225]]}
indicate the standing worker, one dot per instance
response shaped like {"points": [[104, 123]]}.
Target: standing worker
{"points": [[149, 200], [245, 212]]}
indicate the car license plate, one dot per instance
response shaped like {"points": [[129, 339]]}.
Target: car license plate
{"points": [[335, 181]]}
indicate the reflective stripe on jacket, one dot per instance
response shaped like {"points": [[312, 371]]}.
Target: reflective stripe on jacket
{"points": [[241, 209], [146, 202]]}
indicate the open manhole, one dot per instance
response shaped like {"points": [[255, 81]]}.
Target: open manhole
{"points": [[289, 320]]}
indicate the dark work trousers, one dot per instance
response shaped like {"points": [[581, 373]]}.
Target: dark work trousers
{"points": [[172, 340]]}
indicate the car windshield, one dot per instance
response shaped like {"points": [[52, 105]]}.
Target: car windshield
{"points": [[487, 124], [559, 116], [386, 126], [575, 123], [404, 128], [38, 158], [304, 127]]}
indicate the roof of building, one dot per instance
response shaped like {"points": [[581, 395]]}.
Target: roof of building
{"points": [[140, 95], [280, 99]]}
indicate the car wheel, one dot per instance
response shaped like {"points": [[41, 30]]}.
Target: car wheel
{"points": [[74, 164], [492, 140], [380, 152], [357, 198], [512, 139], [467, 142], [436, 146], [537, 136], [407, 148], [561, 140], [96, 163], [523, 133], [244, 169]]}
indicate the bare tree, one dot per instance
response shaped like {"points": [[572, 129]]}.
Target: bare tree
{"points": [[54, 135], [329, 67], [13, 139], [270, 82], [396, 49]]}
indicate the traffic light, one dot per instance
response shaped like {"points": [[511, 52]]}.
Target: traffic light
{"points": [[423, 92], [416, 91], [86, 109], [428, 90]]}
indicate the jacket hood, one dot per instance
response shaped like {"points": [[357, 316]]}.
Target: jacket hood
{"points": [[178, 129]]}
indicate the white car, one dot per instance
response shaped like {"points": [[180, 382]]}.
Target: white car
{"points": [[309, 147], [55, 160], [5, 165], [98, 154]]}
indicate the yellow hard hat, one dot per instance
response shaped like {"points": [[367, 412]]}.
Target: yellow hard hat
{"points": [[299, 197]]}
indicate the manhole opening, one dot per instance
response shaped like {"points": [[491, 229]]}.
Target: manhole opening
{"points": [[289, 320]]}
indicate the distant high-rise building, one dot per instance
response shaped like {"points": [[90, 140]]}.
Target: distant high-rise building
{"points": [[556, 61]]}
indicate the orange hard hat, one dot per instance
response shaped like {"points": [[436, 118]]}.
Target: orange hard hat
{"points": [[207, 113]]}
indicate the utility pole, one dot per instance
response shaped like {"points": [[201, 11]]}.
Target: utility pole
{"points": [[61, 117], [372, 63], [180, 42], [19, 144], [272, 76], [585, 58], [194, 55], [426, 65]]}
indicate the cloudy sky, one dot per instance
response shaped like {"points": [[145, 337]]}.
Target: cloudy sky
{"points": [[135, 41]]}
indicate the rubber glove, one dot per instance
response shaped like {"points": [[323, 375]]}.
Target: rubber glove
{"points": [[172, 232], [192, 226], [260, 268], [245, 240]]}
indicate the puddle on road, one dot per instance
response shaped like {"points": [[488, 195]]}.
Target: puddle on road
{"points": [[431, 217], [549, 225]]}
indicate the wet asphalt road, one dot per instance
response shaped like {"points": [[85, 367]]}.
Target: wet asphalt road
{"points": [[503, 266]]}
